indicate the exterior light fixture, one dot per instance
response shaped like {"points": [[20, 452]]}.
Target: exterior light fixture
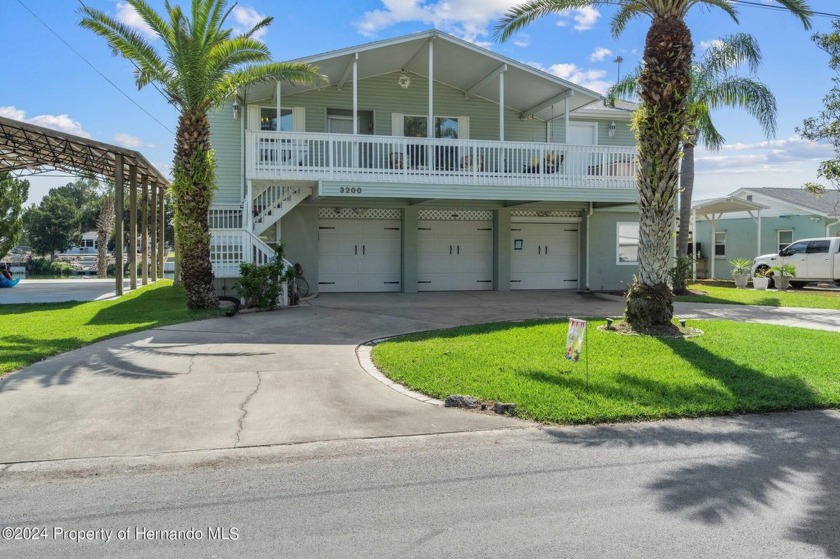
{"points": [[612, 129], [236, 109], [404, 81]]}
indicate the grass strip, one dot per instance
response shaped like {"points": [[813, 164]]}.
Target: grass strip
{"points": [[732, 368], [32, 332]]}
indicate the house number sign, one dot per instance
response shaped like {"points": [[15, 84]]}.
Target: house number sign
{"points": [[350, 190]]}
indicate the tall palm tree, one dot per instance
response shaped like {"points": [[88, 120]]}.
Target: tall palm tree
{"points": [[713, 85], [664, 85], [200, 64]]}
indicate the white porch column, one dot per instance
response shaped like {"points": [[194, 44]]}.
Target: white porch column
{"points": [[278, 96], [713, 223], [758, 239], [566, 117], [502, 103], [430, 121], [356, 94]]}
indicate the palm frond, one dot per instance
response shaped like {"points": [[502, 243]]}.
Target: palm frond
{"points": [[625, 14], [628, 86], [523, 15], [800, 9], [749, 95], [729, 52]]}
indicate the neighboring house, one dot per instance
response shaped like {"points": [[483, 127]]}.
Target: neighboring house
{"points": [[788, 214], [495, 176]]}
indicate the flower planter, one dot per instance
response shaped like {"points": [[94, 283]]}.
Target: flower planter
{"points": [[782, 282], [741, 281], [761, 283]]}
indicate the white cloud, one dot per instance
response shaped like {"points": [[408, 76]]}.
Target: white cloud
{"points": [[62, 123], [128, 15], [129, 141], [585, 18], [12, 112], [590, 79], [705, 45], [522, 41], [245, 19], [599, 54], [469, 19], [773, 155]]}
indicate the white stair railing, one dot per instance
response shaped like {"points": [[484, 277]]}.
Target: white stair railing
{"points": [[274, 202]]}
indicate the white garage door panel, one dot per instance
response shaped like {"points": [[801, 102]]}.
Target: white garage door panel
{"points": [[455, 256], [549, 256], [357, 255]]}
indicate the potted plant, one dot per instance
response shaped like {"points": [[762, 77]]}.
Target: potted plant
{"points": [[741, 271], [785, 272], [760, 281]]}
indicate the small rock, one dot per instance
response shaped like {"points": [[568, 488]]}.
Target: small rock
{"points": [[500, 407], [457, 401]]}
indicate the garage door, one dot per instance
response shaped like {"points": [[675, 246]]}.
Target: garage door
{"points": [[359, 255], [455, 254], [544, 256]]}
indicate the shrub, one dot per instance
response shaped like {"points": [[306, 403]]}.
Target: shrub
{"points": [[262, 285], [681, 274], [47, 267]]}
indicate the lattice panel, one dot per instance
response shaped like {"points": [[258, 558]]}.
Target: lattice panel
{"points": [[539, 213], [359, 213], [455, 215]]}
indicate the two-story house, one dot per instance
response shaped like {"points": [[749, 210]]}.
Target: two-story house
{"points": [[425, 162]]}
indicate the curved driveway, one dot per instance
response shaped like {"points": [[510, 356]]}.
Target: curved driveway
{"points": [[256, 379]]}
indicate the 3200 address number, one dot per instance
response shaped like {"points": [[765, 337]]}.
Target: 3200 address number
{"points": [[350, 190]]}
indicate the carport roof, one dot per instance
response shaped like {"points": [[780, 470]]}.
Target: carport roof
{"points": [[24, 146], [457, 63], [725, 205]]}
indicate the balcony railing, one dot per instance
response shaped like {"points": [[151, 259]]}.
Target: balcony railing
{"points": [[314, 156]]}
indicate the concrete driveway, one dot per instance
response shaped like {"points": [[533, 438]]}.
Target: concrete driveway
{"points": [[257, 379]]}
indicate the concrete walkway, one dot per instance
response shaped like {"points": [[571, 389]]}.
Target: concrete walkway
{"points": [[257, 379]]}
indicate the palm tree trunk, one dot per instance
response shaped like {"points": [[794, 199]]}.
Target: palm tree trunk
{"points": [[686, 194], [665, 82], [104, 225], [193, 188]]}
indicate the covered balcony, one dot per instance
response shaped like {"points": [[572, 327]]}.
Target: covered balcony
{"points": [[306, 156]]}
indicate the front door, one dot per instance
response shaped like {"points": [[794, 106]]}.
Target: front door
{"points": [[582, 161]]}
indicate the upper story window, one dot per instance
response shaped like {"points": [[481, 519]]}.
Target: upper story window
{"points": [[627, 242], [268, 119], [445, 126]]}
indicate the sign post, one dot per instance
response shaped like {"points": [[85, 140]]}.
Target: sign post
{"points": [[577, 342]]}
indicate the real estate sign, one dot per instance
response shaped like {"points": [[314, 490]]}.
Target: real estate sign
{"points": [[574, 341]]}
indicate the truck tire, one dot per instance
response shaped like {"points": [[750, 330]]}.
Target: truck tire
{"points": [[797, 284]]}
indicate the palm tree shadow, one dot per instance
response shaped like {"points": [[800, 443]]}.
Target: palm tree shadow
{"points": [[778, 451]]}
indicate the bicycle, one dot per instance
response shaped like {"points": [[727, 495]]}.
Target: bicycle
{"points": [[299, 283]]}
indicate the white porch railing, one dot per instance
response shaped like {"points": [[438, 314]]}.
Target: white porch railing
{"points": [[231, 247], [313, 156]]}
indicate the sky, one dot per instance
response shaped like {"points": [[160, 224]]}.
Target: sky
{"points": [[62, 76]]}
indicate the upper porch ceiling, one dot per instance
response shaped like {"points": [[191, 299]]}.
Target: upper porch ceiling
{"points": [[460, 64]]}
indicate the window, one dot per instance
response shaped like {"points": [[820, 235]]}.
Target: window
{"points": [[627, 243], [268, 119], [783, 237], [720, 244], [818, 247], [445, 126]]}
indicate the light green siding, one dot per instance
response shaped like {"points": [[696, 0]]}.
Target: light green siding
{"points": [[604, 273], [741, 237], [225, 137], [624, 136]]}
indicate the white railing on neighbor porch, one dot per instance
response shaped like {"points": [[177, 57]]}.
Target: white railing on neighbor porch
{"points": [[314, 156]]}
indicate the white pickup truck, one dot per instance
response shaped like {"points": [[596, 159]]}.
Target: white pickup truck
{"points": [[815, 260]]}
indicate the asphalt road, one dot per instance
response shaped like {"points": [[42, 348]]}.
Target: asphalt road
{"points": [[752, 486]]}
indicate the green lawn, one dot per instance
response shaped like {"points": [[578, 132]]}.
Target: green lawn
{"points": [[771, 298], [732, 368], [33, 332]]}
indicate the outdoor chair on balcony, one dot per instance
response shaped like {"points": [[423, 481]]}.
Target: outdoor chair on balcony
{"points": [[551, 163], [396, 160], [473, 164]]}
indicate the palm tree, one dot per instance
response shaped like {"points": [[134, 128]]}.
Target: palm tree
{"points": [[713, 86], [664, 85], [201, 64]]}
